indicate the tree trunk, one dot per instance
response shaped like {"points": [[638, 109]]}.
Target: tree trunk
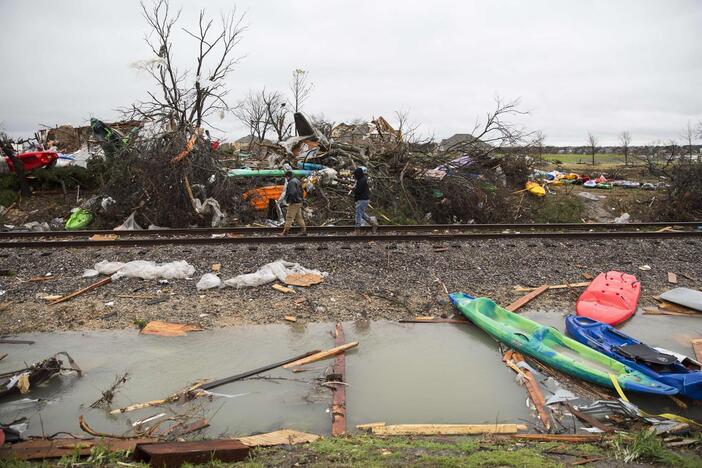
{"points": [[19, 168]]}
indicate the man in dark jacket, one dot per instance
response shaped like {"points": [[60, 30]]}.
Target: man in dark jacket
{"points": [[361, 195], [293, 195]]}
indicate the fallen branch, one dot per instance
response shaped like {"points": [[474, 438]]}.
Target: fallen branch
{"points": [[109, 394], [89, 430]]}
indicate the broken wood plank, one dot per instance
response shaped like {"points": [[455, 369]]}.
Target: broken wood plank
{"points": [[321, 355], [283, 289], [528, 297], [290, 318], [554, 286], [3, 356], [103, 237], [157, 327], [575, 438], [282, 437], [173, 454], [39, 449], [102, 282], [652, 311], [587, 276], [446, 429], [697, 348], [339, 390], [531, 385], [669, 306], [216, 267], [243, 375], [672, 278]]}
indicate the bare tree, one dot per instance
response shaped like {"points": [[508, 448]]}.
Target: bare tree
{"points": [[538, 143], [301, 88], [688, 135], [592, 145], [252, 112], [625, 140], [276, 113], [184, 100]]}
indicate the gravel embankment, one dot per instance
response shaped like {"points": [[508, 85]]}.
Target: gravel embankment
{"points": [[366, 281]]}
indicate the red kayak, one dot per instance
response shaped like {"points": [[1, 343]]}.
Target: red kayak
{"points": [[611, 298]]}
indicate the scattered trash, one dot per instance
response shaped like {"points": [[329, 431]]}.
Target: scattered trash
{"points": [[156, 327], [23, 380], [303, 279], [645, 268], [208, 281], [278, 270], [129, 224], [672, 278], [685, 297], [70, 296], [623, 219]]}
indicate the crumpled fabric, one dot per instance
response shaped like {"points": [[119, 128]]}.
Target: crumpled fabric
{"points": [[268, 273], [145, 269]]}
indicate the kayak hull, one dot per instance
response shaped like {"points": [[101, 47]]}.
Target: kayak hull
{"points": [[551, 347], [606, 339], [610, 298]]}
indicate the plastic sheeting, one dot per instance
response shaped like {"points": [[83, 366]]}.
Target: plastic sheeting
{"points": [[129, 224], [208, 281], [144, 269], [268, 273]]}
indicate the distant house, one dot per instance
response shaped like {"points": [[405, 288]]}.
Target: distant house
{"points": [[460, 140]]}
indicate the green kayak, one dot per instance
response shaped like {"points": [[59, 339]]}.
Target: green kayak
{"points": [[79, 219], [551, 347], [266, 173]]}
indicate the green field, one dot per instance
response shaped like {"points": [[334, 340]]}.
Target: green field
{"points": [[586, 158]]}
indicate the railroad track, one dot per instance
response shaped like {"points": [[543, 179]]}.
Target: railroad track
{"points": [[266, 235]]}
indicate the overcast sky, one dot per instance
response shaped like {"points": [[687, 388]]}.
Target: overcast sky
{"points": [[602, 66]]}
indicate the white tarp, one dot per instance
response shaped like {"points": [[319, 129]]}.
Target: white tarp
{"points": [[144, 269], [270, 272]]}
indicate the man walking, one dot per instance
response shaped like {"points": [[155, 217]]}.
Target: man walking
{"points": [[293, 196], [361, 195]]}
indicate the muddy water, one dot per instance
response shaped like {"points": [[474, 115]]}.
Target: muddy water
{"points": [[400, 373]]}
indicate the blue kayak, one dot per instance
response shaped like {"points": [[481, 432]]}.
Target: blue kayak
{"points": [[683, 374], [551, 347]]}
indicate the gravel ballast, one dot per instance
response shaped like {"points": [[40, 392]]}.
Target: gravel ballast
{"points": [[367, 281]]}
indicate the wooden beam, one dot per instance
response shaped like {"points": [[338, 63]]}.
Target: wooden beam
{"points": [[3, 356], [575, 438], [512, 358], [321, 355], [697, 348], [446, 429], [173, 454], [102, 282], [528, 297], [339, 391], [39, 449]]}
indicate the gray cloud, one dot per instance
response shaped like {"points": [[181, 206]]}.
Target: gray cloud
{"points": [[579, 66]]}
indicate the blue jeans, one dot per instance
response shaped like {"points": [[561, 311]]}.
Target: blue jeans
{"points": [[361, 206]]}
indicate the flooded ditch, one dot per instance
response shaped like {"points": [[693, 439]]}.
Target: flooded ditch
{"points": [[400, 373]]}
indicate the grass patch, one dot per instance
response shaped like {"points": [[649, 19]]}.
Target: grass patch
{"points": [[557, 209], [586, 158], [645, 446]]}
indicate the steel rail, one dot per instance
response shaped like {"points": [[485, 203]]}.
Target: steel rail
{"points": [[332, 229], [396, 237]]}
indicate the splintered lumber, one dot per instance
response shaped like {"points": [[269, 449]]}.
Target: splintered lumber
{"points": [[243, 375], [339, 390], [102, 282], [697, 348], [554, 286], [3, 356], [445, 429], [303, 279], [321, 355], [282, 437], [528, 297], [157, 327], [39, 449], [512, 358], [672, 278], [283, 289], [172, 454], [575, 438]]}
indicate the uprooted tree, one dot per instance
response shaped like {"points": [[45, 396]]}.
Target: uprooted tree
{"points": [[166, 172]]}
